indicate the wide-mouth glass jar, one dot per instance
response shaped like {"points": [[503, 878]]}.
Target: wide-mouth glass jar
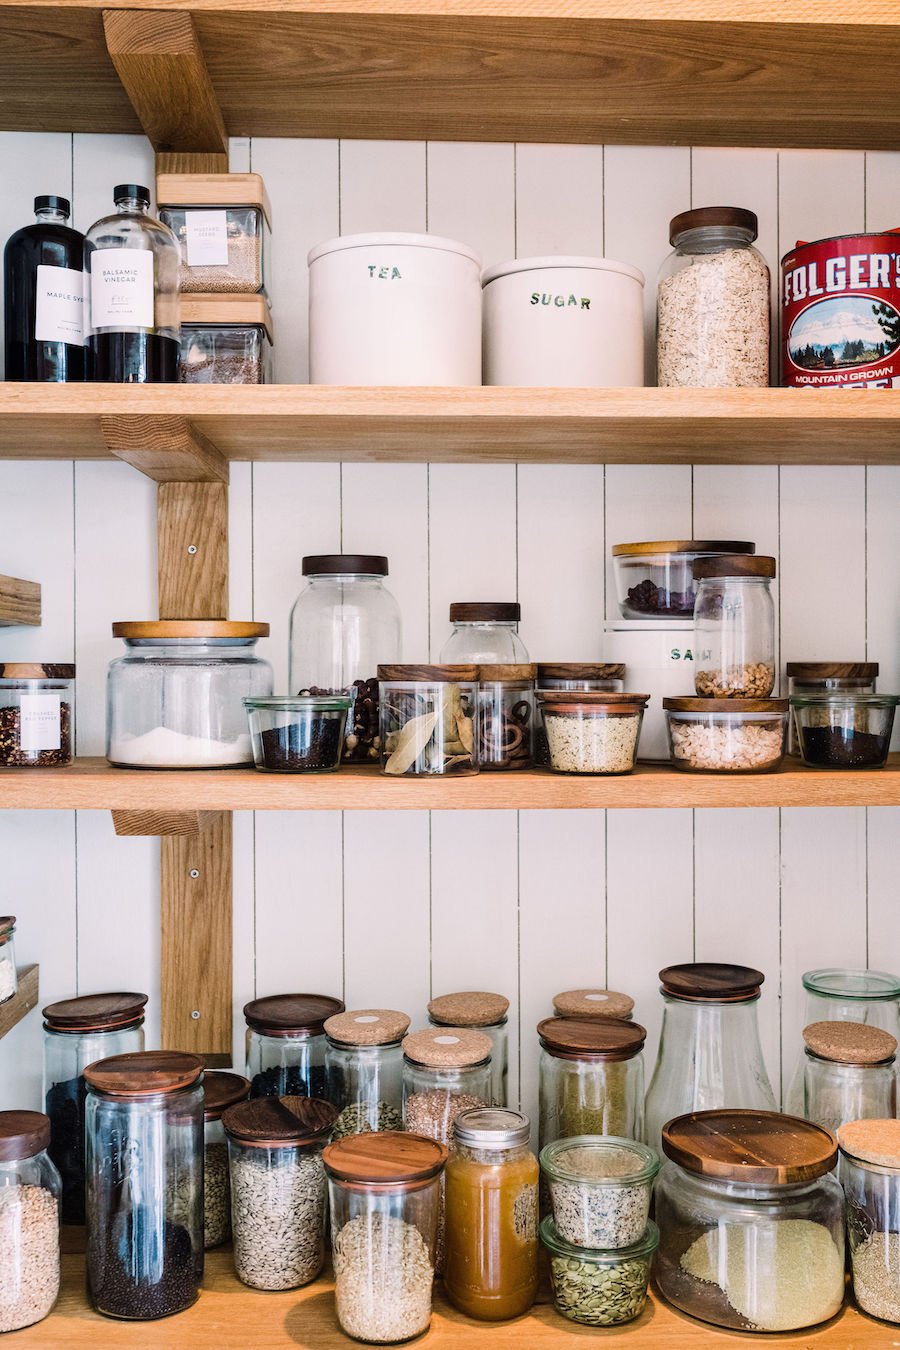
{"points": [[29, 1220], [734, 627], [593, 1003], [429, 719], [78, 1032], [656, 578], [506, 716], [485, 1012], [726, 735], [222, 222], [751, 1221], [844, 731], [572, 676], [220, 1090], [848, 1073], [364, 1069], [485, 631], [286, 1044], [9, 979], [175, 700], [599, 1189], [870, 1175], [298, 735], [593, 733], [595, 1287], [591, 1078], [225, 341], [37, 714], [806, 678]]}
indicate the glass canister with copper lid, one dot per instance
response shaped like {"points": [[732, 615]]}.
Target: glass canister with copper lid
{"points": [[220, 1090], [484, 1012], [849, 1073], [286, 1044], [364, 1069], [591, 1077]]}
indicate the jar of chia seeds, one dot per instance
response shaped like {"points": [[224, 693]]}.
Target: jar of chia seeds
{"points": [[482, 1012], [225, 340], [870, 1176], [364, 1069], [221, 1090], [506, 716], [9, 978], [572, 676], [809, 678], [29, 1220], [286, 1044], [429, 720], [37, 714], [591, 1078]]}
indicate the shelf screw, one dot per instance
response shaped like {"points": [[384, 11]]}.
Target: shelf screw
{"points": [[192, 548], [193, 874], [195, 1015]]}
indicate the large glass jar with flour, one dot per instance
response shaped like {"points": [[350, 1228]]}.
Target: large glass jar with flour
{"points": [[175, 700]]}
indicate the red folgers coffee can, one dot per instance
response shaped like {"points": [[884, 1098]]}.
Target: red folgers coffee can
{"points": [[840, 311]]}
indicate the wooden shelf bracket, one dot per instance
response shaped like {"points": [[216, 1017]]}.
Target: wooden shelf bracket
{"points": [[20, 602], [22, 1002], [167, 449]]}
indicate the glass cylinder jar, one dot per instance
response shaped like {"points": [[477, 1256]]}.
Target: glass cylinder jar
{"points": [[483, 1012], [599, 1288], [29, 1220], [844, 731], [175, 700], [751, 1221], [599, 1189], [655, 577], [384, 1191], [429, 720], [286, 1044], [709, 1049], [870, 1175], [9, 979], [344, 624], [734, 627], [572, 676], [144, 1193], [485, 631], [591, 1078], [713, 302], [506, 716], [848, 1073], [221, 1090], [490, 1265], [278, 1193], [298, 735], [726, 735], [78, 1032], [808, 678], [593, 1003], [37, 714], [364, 1069], [593, 733]]}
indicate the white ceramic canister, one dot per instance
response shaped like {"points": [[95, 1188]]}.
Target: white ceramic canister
{"points": [[659, 660], [394, 309], [564, 322]]}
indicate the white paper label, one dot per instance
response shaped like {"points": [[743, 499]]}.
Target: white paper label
{"points": [[39, 721], [121, 288], [206, 236], [59, 305], [677, 653]]}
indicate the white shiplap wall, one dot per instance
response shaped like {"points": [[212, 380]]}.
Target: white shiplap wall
{"points": [[388, 907]]}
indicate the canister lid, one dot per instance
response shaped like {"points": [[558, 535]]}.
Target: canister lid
{"points": [[690, 704], [683, 546], [513, 672], [593, 1003], [850, 1042], [291, 1014], [388, 1158], [337, 564], [280, 1122], [552, 261], [440, 674], [580, 670], [447, 1047], [491, 1127], [872, 1141], [703, 217], [221, 1090], [189, 628], [473, 1009], [212, 190], [734, 565], [485, 611], [23, 1134], [94, 1012], [711, 982], [144, 1073], [601, 1038], [390, 238], [554, 696], [35, 670], [753, 1147], [227, 311], [368, 1026], [832, 670]]}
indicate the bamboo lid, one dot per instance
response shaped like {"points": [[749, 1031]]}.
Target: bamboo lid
{"points": [[447, 1047], [22, 1135], [189, 628], [226, 311], [684, 546], [832, 670], [592, 1003], [850, 1042], [580, 670], [368, 1026], [734, 565], [291, 1014], [390, 1157], [468, 1009], [280, 1122], [500, 673], [485, 611], [689, 704], [35, 670], [212, 190], [144, 1073], [591, 1037], [221, 1090], [711, 982], [453, 674], [94, 1012], [872, 1141], [753, 1147]]}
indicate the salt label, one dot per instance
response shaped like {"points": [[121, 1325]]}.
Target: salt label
{"points": [[39, 722], [206, 237]]}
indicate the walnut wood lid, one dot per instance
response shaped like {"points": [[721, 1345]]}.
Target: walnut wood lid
{"points": [[368, 1026], [212, 190], [35, 670], [591, 1037], [471, 1009], [593, 1003], [227, 311], [724, 705], [872, 1141], [95, 1012], [588, 696], [684, 546], [499, 673], [336, 564], [23, 1134], [291, 1014], [832, 670], [454, 674], [144, 1073], [580, 670], [388, 1158], [447, 1047], [850, 1043], [280, 1122], [734, 565], [711, 982], [753, 1147], [485, 611], [221, 1090], [706, 217], [189, 628]]}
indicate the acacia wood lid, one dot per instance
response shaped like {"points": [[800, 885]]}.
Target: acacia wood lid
{"points": [[872, 1141], [221, 1090], [452, 674], [291, 1014], [368, 1026], [485, 611], [390, 1157], [580, 670], [593, 1003], [850, 1042], [212, 190], [144, 1073], [447, 1047], [706, 217], [227, 311], [472, 1009], [337, 564], [595, 1037], [689, 704], [94, 1012], [280, 1122], [499, 673], [711, 982], [753, 1147], [189, 628], [22, 1135], [684, 546], [734, 565], [35, 670], [832, 670]]}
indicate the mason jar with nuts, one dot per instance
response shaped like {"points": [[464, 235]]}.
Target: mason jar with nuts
{"points": [[734, 627]]}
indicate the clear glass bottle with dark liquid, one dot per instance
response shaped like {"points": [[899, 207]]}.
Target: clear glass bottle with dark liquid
{"points": [[132, 263], [43, 297]]}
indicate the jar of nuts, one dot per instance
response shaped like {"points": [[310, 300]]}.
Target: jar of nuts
{"points": [[734, 627]]}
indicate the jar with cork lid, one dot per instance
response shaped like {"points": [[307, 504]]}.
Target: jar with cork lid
{"points": [[870, 1176], [734, 627], [591, 1078], [848, 1074], [364, 1069], [286, 1044], [220, 1091], [29, 1220], [487, 1013]]}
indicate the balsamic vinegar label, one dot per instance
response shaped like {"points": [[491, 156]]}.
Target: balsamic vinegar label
{"points": [[59, 305], [121, 288]]}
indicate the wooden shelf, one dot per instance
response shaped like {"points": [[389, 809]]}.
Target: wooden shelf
{"points": [[229, 1316], [20, 602], [93, 785], [25, 998], [699, 72], [317, 422]]}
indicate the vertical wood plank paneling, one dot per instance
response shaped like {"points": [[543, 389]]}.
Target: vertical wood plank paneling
{"points": [[99, 163], [883, 579], [559, 200], [471, 196], [383, 186]]}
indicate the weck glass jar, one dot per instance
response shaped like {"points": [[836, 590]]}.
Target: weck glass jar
{"points": [[29, 1220], [592, 733], [485, 631], [78, 1032], [220, 1091], [491, 1179], [591, 1078], [175, 700], [599, 1287], [37, 716], [848, 1073], [429, 719], [870, 1175], [710, 1024], [364, 1069], [572, 677], [9, 979], [751, 1221], [734, 627], [506, 716], [286, 1044], [144, 1196], [808, 678], [384, 1191], [484, 1012]]}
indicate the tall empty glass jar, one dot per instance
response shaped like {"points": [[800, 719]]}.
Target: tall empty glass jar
{"points": [[364, 1069], [485, 631], [870, 1175], [221, 1090], [848, 1073], [734, 627], [483, 1012], [29, 1220], [591, 1078], [286, 1044]]}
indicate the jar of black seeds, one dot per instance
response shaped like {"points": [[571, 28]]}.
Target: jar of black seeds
{"points": [[286, 1044]]}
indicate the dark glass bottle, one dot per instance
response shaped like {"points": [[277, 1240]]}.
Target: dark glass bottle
{"points": [[43, 297], [132, 262]]}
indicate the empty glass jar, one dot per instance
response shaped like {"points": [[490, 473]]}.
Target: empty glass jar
{"points": [[286, 1044], [848, 1073], [429, 720], [364, 1069], [29, 1220], [870, 1175], [591, 1078], [485, 632], [9, 980], [506, 716], [734, 627], [220, 1090], [483, 1012]]}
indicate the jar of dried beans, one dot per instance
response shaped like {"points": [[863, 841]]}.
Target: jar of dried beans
{"points": [[364, 1069], [29, 1220], [286, 1044], [591, 1078], [483, 1012], [429, 720], [734, 627], [37, 716], [222, 222], [713, 302], [220, 1090], [506, 721]]}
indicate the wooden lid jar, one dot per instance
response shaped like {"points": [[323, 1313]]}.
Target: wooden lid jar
{"points": [[226, 339], [591, 1077], [222, 222], [37, 714], [429, 720], [486, 632], [654, 578], [286, 1044], [29, 1268]]}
